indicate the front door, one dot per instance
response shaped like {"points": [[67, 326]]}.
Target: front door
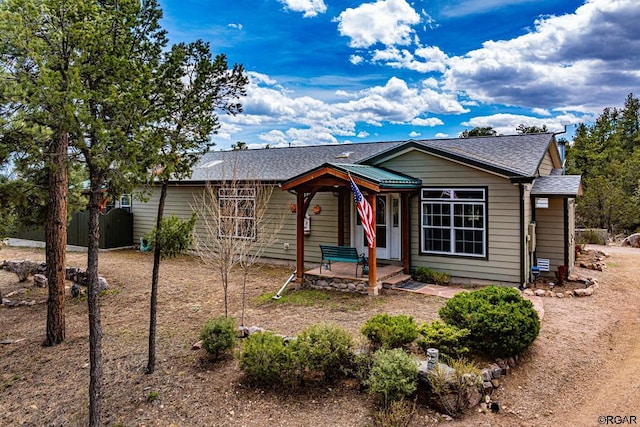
{"points": [[387, 227]]}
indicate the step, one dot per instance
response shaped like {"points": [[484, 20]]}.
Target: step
{"points": [[396, 280]]}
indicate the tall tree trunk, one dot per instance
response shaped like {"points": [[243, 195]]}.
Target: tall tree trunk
{"points": [[95, 329], [56, 237], [157, 252]]}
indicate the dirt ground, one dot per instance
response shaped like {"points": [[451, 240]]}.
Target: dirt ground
{"points": [[585, 363]]}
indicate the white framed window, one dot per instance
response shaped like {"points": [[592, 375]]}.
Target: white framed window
{"points": [[125, 202], [236, 212], [454, 221]]}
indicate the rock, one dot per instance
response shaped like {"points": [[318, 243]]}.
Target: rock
{"points": [[6, 301], [583, 292], [40, 280], [495, 383], [255, 329], [487, 387], [23, 268], [197, 345], [102, 284], [540, 292], [485, 374], [474, 398], [573, 278], [496, 371], [528, 292], [560, 295], [632, 240], [511, 362], [75, 290]]}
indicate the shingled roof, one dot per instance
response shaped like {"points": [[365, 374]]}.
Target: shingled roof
{"points": [[511, 155], [557, 185]]}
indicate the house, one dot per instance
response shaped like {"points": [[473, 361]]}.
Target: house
{"points": [[486, 209]]}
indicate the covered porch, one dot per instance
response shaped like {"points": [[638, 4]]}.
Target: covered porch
{"points": [[377, 185]]}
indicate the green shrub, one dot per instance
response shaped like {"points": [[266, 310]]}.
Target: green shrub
{"points": [[393, 376], [452, 386], [428, 275], [266, 360], [501, 322], [385, 331], [219, 335], [324, 348], [450, 340]]}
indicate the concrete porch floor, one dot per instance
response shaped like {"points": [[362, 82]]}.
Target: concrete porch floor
{"points": [[346, 270]]}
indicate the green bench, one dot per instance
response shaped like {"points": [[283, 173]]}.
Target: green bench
{"points": [[341, 254]]}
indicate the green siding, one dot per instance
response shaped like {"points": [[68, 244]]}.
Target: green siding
{"points": [[503, 213], [550, 234], [181, 200]]}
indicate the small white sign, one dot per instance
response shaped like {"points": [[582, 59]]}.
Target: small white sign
{"points": [[542, 203]]}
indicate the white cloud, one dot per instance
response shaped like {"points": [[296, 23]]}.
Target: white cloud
{"points": [[578, 61], [385, 21], [236, 26], [442, 135], [423, 60], [310, 120], [430, 122], [310, 8], [414, 134], [506, 124], [541, 111], [356, 59]]}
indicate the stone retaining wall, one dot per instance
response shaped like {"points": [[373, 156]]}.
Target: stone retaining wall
{"points": [[336, 284]]}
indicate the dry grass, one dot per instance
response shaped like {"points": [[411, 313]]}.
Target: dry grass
{"points": [[48, 386], [583, 364]]}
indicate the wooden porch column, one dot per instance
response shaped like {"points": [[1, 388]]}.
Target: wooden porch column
{"points": [[300, 236], [405, 227], [373, 274], [340, 218]]}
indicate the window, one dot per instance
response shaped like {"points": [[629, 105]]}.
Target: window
{"points": [[125, 202], [454, 221], [236, 211]]}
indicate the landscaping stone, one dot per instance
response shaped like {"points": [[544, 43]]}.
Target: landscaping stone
{"points": [[496, 371], [540, 292], [583, 292], [485, 374], [40, 280]]}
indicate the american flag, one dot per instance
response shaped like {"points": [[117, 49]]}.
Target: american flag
{"points": [[366, 213]]}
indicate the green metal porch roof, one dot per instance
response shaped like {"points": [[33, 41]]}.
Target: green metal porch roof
{"points": [[381, 177]]}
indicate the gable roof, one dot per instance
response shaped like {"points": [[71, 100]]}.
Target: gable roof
{"points": [[510, 156], [371, 177], [557, 185]]}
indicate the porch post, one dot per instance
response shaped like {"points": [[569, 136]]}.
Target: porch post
{"points": [[300, 236], [405, 226], [340, 218], [373, 275]]}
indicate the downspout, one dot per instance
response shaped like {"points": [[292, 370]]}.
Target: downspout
{"points": [[565, 208], [522, 238]]}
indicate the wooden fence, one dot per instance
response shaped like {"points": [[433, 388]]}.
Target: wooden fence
{"points": [[116, 230]]}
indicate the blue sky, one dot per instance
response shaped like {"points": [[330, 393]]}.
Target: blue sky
{"points": [[328, 71]]}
